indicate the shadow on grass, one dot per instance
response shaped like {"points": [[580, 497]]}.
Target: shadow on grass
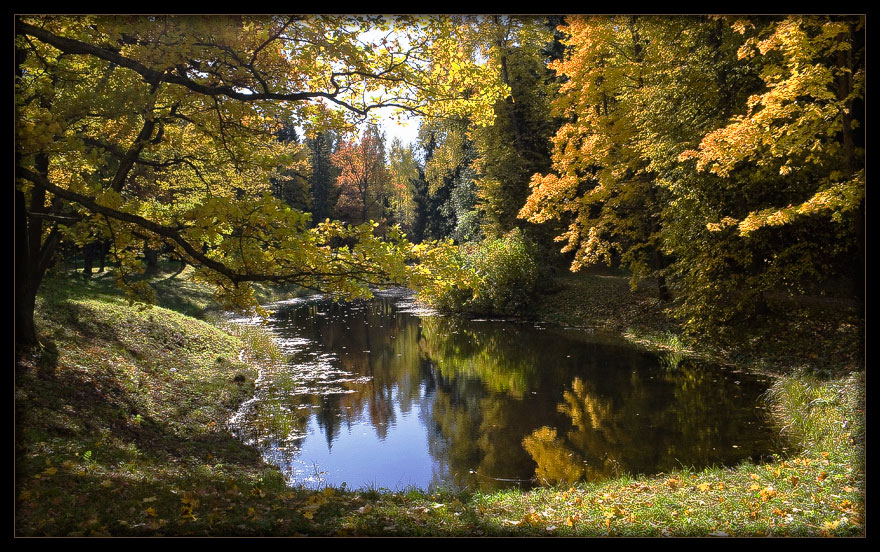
{"points": [[88, 456]]}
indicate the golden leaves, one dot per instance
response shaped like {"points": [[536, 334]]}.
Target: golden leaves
{"points": [[315, 502], [836, 199], [674, 483], [796, 113], [725, 222], [188, 504]]}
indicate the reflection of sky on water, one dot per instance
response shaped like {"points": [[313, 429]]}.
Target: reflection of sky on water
{"points": [[359, 457], [383, 394]]}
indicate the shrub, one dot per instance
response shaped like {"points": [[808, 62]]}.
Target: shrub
{"points": [[494, 276]]}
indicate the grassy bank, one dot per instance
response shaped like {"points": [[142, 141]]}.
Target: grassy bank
{"points": [[817, 334], [120, 430]]}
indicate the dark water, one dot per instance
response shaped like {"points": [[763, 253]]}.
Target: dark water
{"points": [[379, 394]]}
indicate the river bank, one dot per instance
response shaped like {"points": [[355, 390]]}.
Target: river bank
{"points": [[120, 430]]}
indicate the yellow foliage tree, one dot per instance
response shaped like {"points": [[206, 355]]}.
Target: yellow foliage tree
{"points": [[162, 129]]}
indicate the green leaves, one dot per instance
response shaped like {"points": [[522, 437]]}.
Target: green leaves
{"points": [[493, 276]]}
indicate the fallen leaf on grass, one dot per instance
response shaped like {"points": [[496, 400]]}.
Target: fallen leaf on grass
{"points": [[830, 525], [530, 518]]}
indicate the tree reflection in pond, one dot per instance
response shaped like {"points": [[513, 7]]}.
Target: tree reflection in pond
{"points": [[375, 394]]}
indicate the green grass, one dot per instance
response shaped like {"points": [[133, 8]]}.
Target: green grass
{"points": [[121, 416], [120, 430]]}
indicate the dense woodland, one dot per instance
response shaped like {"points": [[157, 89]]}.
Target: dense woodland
{"points": [[721, 157]]}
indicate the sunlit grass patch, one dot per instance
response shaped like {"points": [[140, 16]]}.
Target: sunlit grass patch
{"points": [[806, 405]]}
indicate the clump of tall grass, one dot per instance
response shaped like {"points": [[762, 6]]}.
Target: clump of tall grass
{"points": [[808, 409], [259, 343]]}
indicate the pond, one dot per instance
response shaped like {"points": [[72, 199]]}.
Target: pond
{"points": [[381, 394]]}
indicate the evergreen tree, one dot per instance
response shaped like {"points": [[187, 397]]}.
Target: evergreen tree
{"points": [[291, 185], [322, 177]]}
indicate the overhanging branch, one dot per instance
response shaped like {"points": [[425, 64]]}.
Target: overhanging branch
{"points": [[154, 76], [365, 274]]}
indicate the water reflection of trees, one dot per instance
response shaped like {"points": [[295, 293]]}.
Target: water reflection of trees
{"points": [[497, 354], [661, 420], [504, 402], [374, 349]]}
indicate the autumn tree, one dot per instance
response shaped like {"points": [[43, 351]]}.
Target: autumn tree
{"points": [[403, 176], [162, 129], [600, 184], [363, 176], [794, 156], [717, 154]]}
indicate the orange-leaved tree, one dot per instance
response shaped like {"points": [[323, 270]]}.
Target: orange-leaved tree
{"points": [[363, 176]]}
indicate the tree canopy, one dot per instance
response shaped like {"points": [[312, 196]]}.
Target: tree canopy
{"points": [[164, 130], [766, 107]]}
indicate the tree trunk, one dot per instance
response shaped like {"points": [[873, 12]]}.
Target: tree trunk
{"points": [[25, 293], [663, 289], [846, 62], [33, 255], [102, 254], [90, 251], [33, 248], [151, 257]]}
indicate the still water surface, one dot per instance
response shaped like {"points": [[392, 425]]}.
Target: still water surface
{"points": [[384, 395]]}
